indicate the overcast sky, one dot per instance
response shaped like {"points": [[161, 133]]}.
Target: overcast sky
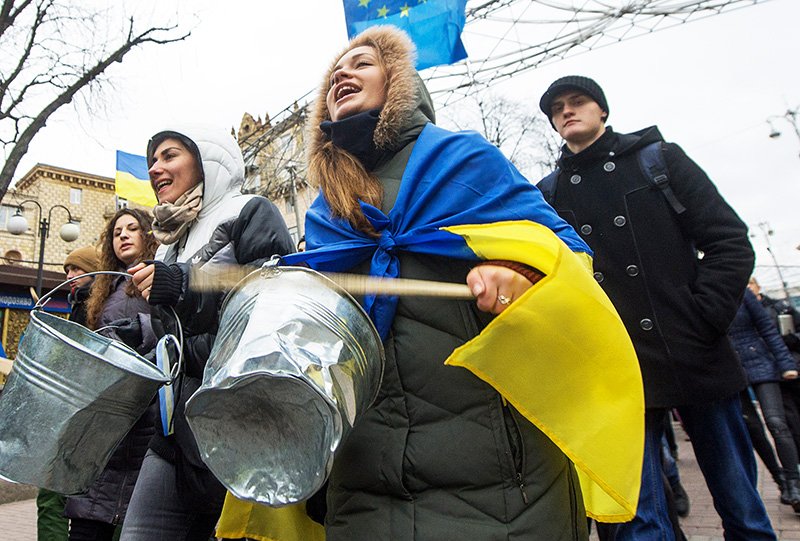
{"points": [[710, 85]]}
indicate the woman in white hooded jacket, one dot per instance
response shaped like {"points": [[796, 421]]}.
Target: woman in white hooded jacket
{"points": [[202, 218]]}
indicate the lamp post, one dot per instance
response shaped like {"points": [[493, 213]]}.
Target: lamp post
{"points": [[766, 230], [17, 225], [790, 116]]}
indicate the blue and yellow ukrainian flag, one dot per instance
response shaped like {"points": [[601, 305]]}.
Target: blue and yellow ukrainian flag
{"points": [[132, 181], [560, 353], [433, 25]]}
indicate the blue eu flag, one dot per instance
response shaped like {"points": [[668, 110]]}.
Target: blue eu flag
{"points": [[434, 25]]}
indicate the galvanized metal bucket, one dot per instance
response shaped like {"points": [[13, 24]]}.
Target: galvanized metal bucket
{"points": [[71, 397], [295, 362]]}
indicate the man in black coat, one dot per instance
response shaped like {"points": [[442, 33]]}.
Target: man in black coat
{"points": [[675, 263]]}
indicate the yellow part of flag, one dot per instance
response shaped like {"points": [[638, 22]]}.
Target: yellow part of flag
{"points": [[561, 355], [242, 519], [134, 189]]}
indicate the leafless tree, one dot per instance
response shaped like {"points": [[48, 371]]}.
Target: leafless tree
{"points": [[524, 136], [50, 50]]}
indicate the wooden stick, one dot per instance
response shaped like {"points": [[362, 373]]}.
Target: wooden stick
{"points": [[227, 276]]}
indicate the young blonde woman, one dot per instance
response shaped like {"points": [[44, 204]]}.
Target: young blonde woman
{"points": [[441, 454], [116, 308]]}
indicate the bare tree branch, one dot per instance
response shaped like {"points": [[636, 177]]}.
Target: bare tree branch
{"points": [[52, 65]]}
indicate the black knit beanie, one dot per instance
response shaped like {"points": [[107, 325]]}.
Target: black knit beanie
{"points": [[572, 82]]}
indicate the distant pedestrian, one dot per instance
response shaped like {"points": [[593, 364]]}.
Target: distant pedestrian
{"points": [[674, 258], [767, 361]]}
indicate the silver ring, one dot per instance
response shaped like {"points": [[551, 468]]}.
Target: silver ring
{"points": [[502, 299]]}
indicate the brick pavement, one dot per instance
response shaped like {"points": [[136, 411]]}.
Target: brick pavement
{"points": [[18, 520]]}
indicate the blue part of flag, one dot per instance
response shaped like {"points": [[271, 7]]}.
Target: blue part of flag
{"points": [[132, 164], [434, 25]]}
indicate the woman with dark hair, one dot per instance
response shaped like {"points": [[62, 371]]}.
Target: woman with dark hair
{"points": [[447, 452], [116, 308], [202, 219]]}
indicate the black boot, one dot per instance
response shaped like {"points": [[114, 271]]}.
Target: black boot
{"points": [[681, 499], [790, 493], [780, 480]]}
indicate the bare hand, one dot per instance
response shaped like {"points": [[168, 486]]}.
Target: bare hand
{"points": [[789, 374], [496, 287], [143, 278]]}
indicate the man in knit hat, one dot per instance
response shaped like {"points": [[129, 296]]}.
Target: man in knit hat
{"points": [[51, 524], [674, 258]]}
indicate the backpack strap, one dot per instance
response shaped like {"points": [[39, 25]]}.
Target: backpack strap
{"points": [[548, 186], [654, 168]]}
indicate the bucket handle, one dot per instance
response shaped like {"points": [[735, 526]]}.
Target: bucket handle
{"points": [[176, 369], [46, 297]]}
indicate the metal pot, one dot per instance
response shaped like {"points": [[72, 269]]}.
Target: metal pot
{"points": [[295, 362], [71, 397]]}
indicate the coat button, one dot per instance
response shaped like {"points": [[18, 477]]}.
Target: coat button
{"points": [[646, 324], [575, 179], [609, 166], [586, 229], [619, 221], [632, 270], [599, 277]]}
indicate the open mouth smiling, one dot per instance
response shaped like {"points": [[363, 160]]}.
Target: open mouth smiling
{"points": [[346, 90], [162, 184]]}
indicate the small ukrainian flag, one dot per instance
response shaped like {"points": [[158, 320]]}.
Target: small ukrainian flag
{"points": [[132, 181]]}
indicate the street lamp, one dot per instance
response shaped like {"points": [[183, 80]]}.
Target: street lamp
{"points": [[17, 225], [789, 116]]}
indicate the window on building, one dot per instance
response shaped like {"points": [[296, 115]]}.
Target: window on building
{"points": [[75, 196], [6, 212], [122, 203]]}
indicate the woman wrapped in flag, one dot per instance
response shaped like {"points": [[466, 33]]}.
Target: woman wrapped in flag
{"points": [[507, 418]]}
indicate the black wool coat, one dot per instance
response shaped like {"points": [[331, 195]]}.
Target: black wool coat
{"points": [[676, 280]]}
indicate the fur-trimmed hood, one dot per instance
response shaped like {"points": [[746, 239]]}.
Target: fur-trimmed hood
{"points": [[406, 93]]}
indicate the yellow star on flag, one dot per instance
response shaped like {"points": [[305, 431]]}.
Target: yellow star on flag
{"points": [[383, 11], [363, 3], [404, 10]]}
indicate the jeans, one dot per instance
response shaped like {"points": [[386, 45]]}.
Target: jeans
{"points": [[156, 512], [725, 456]]}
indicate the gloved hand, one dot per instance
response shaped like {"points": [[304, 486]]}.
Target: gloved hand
{"points": [[128, 331]]}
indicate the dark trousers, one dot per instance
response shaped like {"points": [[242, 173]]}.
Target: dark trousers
{"points": [[761, 444], [81, 529], [725, 456], [769, 397]]}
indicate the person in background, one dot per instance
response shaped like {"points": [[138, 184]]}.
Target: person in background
{"points": [[674, 258], [51, 525], [767, 361], [78, 262], [116, 309], [783, 309]]}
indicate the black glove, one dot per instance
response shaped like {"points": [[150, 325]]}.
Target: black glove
{"points": [[127, 330]]}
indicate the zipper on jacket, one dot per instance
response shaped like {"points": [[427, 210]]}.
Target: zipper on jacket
{"points": [[517, 465]]}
